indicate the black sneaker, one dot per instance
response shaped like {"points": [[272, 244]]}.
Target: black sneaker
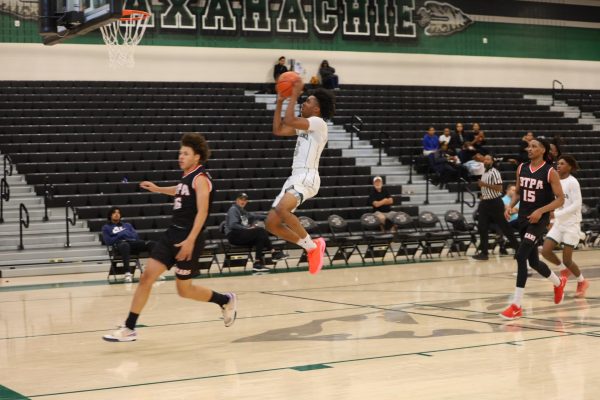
{"points": [[279, 255], [480, 257], [260, 269], [503, 251]]}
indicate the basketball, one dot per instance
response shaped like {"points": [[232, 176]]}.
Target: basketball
{"points": [[285, 83]]}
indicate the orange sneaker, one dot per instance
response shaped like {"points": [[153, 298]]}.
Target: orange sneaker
{"points": [[565, 272], [512, 312], [315, 256], [559, 291], [581, 288]]}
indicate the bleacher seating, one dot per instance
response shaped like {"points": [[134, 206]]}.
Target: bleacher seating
{"points": [[95, 141]]}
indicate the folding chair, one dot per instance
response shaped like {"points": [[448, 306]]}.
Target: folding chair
{"points": [[117, 268], [436, 238], [463, 233], [378, 243], [407, 235], [342, 238], [235, 256]]}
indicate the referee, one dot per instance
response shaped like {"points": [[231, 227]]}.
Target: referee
{"points": [[491, 208]]}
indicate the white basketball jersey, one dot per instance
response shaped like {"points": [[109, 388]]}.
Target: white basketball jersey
{"points": [[570, 212], [310, 144]]}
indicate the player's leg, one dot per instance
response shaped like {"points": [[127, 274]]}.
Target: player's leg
{"points": [[127, 333], [186, 270], [534, 232], [571, 240], [548, 250]]}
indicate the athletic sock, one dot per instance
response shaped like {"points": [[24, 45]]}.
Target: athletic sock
{"points": [[306, 243], [219, 299], [562, 266], [554, 279], [518, 296], [131, 320], [580, 278]]}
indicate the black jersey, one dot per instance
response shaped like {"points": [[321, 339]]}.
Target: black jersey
{"points": [[184, 206], [534, 187]]}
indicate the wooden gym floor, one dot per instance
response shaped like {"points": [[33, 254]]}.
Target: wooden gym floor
{"points": [[425, 330]]}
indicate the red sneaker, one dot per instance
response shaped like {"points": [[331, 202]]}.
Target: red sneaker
{"points": [[581, 288], [565, 272], [559, 291], [512, 312], [315, 256]]}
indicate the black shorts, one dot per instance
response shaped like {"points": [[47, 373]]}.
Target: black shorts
{"points": [[533, 232], [165, 252]]}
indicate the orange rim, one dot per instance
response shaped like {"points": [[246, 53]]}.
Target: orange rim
{"points": [[134, 15]]}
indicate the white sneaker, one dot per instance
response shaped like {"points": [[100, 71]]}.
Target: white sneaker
{"points": [[230, 309], [128, 277], [123, 334]]}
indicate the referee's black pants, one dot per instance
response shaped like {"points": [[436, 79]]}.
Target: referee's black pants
{"points": [[256, 236], [493, 211]]}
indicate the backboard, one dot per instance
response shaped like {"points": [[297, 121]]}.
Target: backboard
{"points": [[64, 19]]}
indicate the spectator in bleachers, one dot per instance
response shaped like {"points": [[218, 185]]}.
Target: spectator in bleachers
{"points": [[381, 201], [329, 79], [475, 131], [241, 230], [514, 212], [528, 137], [124, 239], [431, 142], [491, 208], [445, 137], [446, 165], [555, 152], [279, 68], [457, 139], [472, 155]]}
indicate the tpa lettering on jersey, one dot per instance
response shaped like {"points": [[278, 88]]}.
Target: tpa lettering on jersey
{"points": [[181, 191], [531, 183]]}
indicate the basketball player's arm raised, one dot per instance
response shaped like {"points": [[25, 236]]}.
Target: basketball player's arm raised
{"points": [[279, 128], [202, 194], [168, 190], [290, 119], [559, 198]]}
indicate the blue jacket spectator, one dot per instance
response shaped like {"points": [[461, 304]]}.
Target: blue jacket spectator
{"points": [[124, 240], [431, 142]]}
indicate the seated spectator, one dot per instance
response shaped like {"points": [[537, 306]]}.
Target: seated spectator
{"points": [[381, 201], [445, 137], [430, 142], [514, 212], [457, 139], [279, 68], [470, 136], [124, 239], [329, 79], [241, 230], [472, 155], [445, 165]]}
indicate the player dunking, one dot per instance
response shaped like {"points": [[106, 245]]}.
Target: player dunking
{"points": [[304, 183], [539, 190], [182, 242], [567, 225]]}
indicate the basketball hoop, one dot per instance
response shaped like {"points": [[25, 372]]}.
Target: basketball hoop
{"points": [[123, 35]]}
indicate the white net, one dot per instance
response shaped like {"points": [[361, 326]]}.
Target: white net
{"points": [[122, 37]]}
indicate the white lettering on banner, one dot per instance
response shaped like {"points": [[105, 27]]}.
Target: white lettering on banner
{"points": [[359, 19]]}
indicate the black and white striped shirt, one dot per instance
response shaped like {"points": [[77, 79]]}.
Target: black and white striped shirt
{"points": [[491, 177]]}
